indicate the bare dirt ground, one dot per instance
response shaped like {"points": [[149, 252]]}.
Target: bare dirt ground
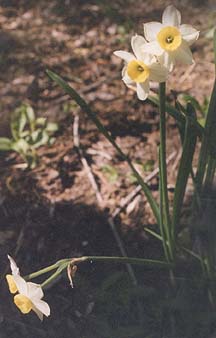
{"points": [[52, 211]]}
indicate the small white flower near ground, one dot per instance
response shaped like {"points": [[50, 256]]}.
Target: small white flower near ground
{"points": [[29, 295]]}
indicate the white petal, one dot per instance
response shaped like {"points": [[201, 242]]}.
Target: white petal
{"points": [[38, 313], [183, 54], [42, 307], [127, 80], [137, 43], [34, 291], [189, 33], [127, 57], [167, 60], [149, 59], [153, 48], [171, 16], [21, 285], [158, 73], [143, 90], [14, 267], [132, 86], [151, 29]]}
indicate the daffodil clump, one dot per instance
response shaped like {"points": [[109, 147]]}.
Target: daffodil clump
{"points": [[156, 53], [28, 295], [152, 59]]}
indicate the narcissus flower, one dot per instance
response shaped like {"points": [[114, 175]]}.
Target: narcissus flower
{"points": [[10, 277], [29, 295], [140, 68], [170, 41], [30, 298]]}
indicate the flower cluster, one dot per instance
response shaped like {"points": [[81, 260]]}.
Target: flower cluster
{"points": [[28, 295], [155, 54]]}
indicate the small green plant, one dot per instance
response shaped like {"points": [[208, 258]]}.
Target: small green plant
{"points": [[145, 167], [28, 134], [110, 172]]}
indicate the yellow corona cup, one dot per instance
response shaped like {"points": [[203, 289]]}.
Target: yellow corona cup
{"points": [[29, 295], [170, 40], [140, 68]]}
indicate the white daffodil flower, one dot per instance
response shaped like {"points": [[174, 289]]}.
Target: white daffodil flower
{"points": [[29, 294], [30, 298], [140, 68], [10, 277], [170, 41]]}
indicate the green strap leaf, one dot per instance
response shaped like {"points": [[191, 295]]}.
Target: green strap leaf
{"points": [[214, 38], [85, 107], [5, 144], [208, 141], [178, 115], [189, 145]]}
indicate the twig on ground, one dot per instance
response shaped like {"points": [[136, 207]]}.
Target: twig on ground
{"points": [[101, 153], [126, 200], [186, 74], [100, 199], [175, 164], [99, 196], [84, 161]]}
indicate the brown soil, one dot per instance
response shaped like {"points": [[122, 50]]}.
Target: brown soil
{"points": [[52, 212]]}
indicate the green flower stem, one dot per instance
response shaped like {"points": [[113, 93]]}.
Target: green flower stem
{"points": [[45, 270], [85, 107], [128, 260], [163, 171], [55, 274], [210, 173], [161, 223], [63, 264]]}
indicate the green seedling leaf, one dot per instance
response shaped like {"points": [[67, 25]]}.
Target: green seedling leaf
{"points": [[148, 166], [25, 134], [132, 178], [40, 121], [30, 116], [42, 139], [20, 146], [110, 172], [51, 140], [51, 127], [18, 123], [5, 144], [35, 136]]}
